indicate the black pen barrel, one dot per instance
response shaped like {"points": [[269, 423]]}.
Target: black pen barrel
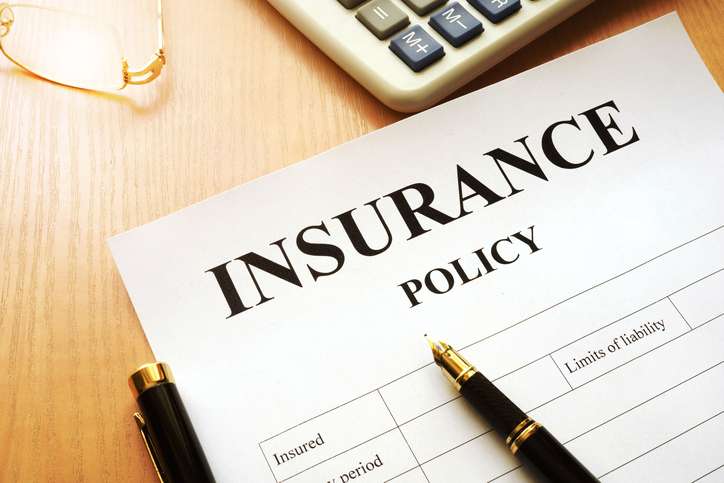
{"points": [[551, 460], [537, 447], [502, 413], [180, 457]]}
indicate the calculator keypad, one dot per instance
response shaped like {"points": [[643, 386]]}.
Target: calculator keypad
{"points": [[416, 48], [382, 18], [456, 24]]}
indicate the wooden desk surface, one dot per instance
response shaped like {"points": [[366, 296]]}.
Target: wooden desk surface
{"points": [[243, 94]]}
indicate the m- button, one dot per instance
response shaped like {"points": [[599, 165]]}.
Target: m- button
{"points": [[456, 24], [416, 48]]}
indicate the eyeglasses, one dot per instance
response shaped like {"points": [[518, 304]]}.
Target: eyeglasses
{"points": [[72, 49]]}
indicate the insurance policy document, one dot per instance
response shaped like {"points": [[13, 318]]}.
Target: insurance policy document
{"points": [[564, 228]]}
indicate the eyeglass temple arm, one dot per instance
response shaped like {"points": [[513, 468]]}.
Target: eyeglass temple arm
{"points": [[153, 69]]}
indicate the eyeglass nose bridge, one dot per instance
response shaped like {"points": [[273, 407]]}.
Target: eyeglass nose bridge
{"points": [[7, 17]]}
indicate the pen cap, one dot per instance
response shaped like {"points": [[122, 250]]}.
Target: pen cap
{"points": [[551, 461], [148, 376], [166, 428]]}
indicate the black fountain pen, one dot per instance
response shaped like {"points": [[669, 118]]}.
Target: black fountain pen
{"points": [[525, 438]]}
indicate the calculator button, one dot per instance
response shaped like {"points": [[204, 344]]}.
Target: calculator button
{"points": [[382, 18], [496, 10], [456, 24], [350, 3], [416, 48], [423, 7]]}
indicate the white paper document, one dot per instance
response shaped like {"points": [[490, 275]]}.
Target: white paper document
{"points": [[564, 228]]}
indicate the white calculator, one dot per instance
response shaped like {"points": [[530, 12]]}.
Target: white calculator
{"points": [[411, 54]]}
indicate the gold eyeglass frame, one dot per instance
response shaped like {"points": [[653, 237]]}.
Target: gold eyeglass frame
{"points": [[136, 77]]}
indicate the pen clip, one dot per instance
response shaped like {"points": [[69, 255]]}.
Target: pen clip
{"points": [[141, 423]]}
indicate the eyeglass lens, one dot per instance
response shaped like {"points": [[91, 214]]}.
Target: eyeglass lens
{"points": [[64, 47]]}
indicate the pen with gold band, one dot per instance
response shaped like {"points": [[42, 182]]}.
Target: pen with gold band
{"points": [[524, 437], [165, 427]]}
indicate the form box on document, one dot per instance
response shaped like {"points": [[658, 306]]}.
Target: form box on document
{"points": [[619, 342]]}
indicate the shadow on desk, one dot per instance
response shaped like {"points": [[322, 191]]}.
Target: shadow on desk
{"points": [[155, 102]]}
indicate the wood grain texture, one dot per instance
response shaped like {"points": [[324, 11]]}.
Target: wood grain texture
{"points": [[243, 94]]}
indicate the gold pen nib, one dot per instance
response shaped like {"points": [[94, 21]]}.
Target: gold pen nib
{"points": [[453, 365], [438, 348]]}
